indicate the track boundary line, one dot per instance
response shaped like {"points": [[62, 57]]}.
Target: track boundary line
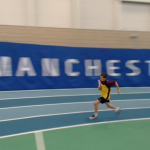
{"points": [[68, 113], [73, 126], [18, 98], [63, 89], [27, 106]]}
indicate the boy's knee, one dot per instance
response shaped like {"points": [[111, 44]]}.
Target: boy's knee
{"points": [[108, 105], [95, 103]]}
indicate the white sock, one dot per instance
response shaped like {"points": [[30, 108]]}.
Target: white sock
{"points": [[116, 109], [96, 114]]}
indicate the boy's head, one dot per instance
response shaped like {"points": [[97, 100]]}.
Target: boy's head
{"points": [[103, 76]]}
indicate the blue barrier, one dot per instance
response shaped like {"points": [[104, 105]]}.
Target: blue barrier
{"points": [[29, 66]]}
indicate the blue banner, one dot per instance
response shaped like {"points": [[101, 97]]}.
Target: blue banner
{"points": [[29, 66]]}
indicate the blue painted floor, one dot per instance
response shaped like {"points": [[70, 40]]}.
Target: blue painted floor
{"points": [[19, 115]]}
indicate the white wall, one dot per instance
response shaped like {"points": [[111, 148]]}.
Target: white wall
{"points": [[136, 16], [96, 14], [54, 13], [85, 14], [50, 13], [13, 12]]}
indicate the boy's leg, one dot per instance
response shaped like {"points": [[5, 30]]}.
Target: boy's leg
{"points": [[96, 110], [110, 106], [113, 107], [96, 106]]}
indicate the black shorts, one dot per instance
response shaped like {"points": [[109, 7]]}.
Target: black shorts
{"points": [[103, 100]]}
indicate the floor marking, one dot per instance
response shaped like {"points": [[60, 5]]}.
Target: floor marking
{"points": [[18, 98], [72, 103], [39, 141], [68, 113], [64, 89], [46, 90], [80, 125]]}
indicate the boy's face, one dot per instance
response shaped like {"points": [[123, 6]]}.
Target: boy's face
{"points": [[102, 78]]}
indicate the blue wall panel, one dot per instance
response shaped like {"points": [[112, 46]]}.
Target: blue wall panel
{"points": [[69, 67]]}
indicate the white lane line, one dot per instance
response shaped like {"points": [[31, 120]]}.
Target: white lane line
{"points": [[130, 93], [73, 126], [68, 113], [18, 98], [49, 90], [47, 96], [39, 141], [46, 115], [28, 106], [67, 89]]}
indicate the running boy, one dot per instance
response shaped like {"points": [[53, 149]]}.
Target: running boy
{"points": [[105, 87]]}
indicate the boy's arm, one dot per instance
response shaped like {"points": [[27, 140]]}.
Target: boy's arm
{"points": [[118, 89], [99, 85]]}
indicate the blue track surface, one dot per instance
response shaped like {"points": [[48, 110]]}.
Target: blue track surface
{"points": [[19, 115], [40, 123], [67, 99]]}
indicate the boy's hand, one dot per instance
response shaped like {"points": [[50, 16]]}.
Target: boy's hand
{"points": [[99, 82], [119, 91]]}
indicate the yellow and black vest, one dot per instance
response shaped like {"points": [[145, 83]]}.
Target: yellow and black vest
{"points": [[105, 90]]}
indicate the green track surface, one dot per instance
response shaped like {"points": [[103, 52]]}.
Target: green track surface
{"points": [[22, 142], [133, 135]]}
